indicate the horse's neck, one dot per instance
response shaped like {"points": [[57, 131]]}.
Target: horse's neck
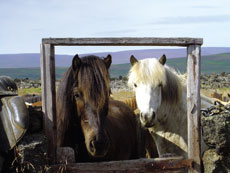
{"points": [[171, 130], [174, 116]]}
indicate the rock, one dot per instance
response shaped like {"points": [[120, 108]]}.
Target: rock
{"points": [[32, 98], [215, 163], [214, 81], [26, 83], [65, 155], [215, 123], [119, 84]]}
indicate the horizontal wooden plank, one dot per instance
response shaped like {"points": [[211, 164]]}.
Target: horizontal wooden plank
{"points": [[175, 164], [123, 41]]}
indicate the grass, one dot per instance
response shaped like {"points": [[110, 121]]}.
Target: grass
{"points": [[122, 95], [25, 91]]}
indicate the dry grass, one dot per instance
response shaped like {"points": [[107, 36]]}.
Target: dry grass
{"points": [[122, 95], [223, 91]]}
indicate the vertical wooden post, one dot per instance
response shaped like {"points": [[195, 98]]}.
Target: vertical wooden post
{"points": [[49, 98], [193, 105]]}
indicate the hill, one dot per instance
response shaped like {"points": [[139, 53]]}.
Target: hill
{"points": [[209, 64], [120, 57]]}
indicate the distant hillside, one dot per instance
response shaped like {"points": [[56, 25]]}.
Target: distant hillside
{"points": [[120, 57], [209, 64]]}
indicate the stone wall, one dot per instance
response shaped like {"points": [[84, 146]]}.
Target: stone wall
{"points": [[215, 81], [215, 122]]}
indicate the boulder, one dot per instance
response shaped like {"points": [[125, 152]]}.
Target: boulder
{"points": [[215, 163], [215, 123]]}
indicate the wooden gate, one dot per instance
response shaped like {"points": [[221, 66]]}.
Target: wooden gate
{"points": [[193, 163]]}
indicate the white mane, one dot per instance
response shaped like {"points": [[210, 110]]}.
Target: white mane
{"points": [[151, 71], [147, 71]]}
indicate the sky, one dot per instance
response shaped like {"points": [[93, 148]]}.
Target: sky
{"points": [[23, 23]]}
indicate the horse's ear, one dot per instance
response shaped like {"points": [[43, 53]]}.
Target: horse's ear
{"points": [[108, 61], [133, 60], [162, 60], [76, 62]]}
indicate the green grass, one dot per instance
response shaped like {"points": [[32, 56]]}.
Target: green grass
{"points": [[209, 64], [25, 91]]}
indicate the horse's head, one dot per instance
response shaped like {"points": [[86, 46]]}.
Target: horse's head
{"points": [[148, 77], [91, 92]]}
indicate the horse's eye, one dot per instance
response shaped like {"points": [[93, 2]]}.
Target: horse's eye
{"points": [[77, 95], [135, 85]]}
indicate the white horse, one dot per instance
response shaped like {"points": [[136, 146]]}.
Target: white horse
{"points": [[161, 97]]}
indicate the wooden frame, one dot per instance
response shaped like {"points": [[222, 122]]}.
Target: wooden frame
{"points": [[193, 90]]}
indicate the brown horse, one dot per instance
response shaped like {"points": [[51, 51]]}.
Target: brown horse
{"points": [[101, 128]]}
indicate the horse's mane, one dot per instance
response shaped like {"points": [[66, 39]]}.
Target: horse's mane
{"points": [[150, 71], [131, 102], [64, 104], [93, 75]]}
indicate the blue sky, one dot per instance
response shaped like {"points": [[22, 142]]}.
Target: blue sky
{"points": [[23, 23]]}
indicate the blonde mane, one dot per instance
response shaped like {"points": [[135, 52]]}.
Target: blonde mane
{"points": [[151, 71]]}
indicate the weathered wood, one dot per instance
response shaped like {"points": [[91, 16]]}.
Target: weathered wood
{"points": [[124, 41], [49, 97], [193, 105], [175, 164]]}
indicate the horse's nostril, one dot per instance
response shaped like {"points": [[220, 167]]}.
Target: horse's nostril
{"points": [[92, 144], [96, 144], [144, 116]]}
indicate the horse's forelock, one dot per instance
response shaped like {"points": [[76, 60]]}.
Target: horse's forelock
{"points": [[150, 71], [147, 71], [93, 80]]}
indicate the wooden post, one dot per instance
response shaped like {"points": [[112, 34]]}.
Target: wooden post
{"points": [[193, 105], [49, 98]]}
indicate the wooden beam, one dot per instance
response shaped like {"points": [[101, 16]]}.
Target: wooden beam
{"points": [[193, 105], [123, 41], [49, 98], [175, 164]]}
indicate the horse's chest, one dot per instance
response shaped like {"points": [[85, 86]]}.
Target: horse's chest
{"points": [[168, 142]]}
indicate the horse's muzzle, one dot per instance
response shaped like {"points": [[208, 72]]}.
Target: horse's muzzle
{"points": [[98, 148], [146, 120]]}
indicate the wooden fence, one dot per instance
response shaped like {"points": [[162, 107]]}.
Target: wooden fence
{"points": [[193, 163]]}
